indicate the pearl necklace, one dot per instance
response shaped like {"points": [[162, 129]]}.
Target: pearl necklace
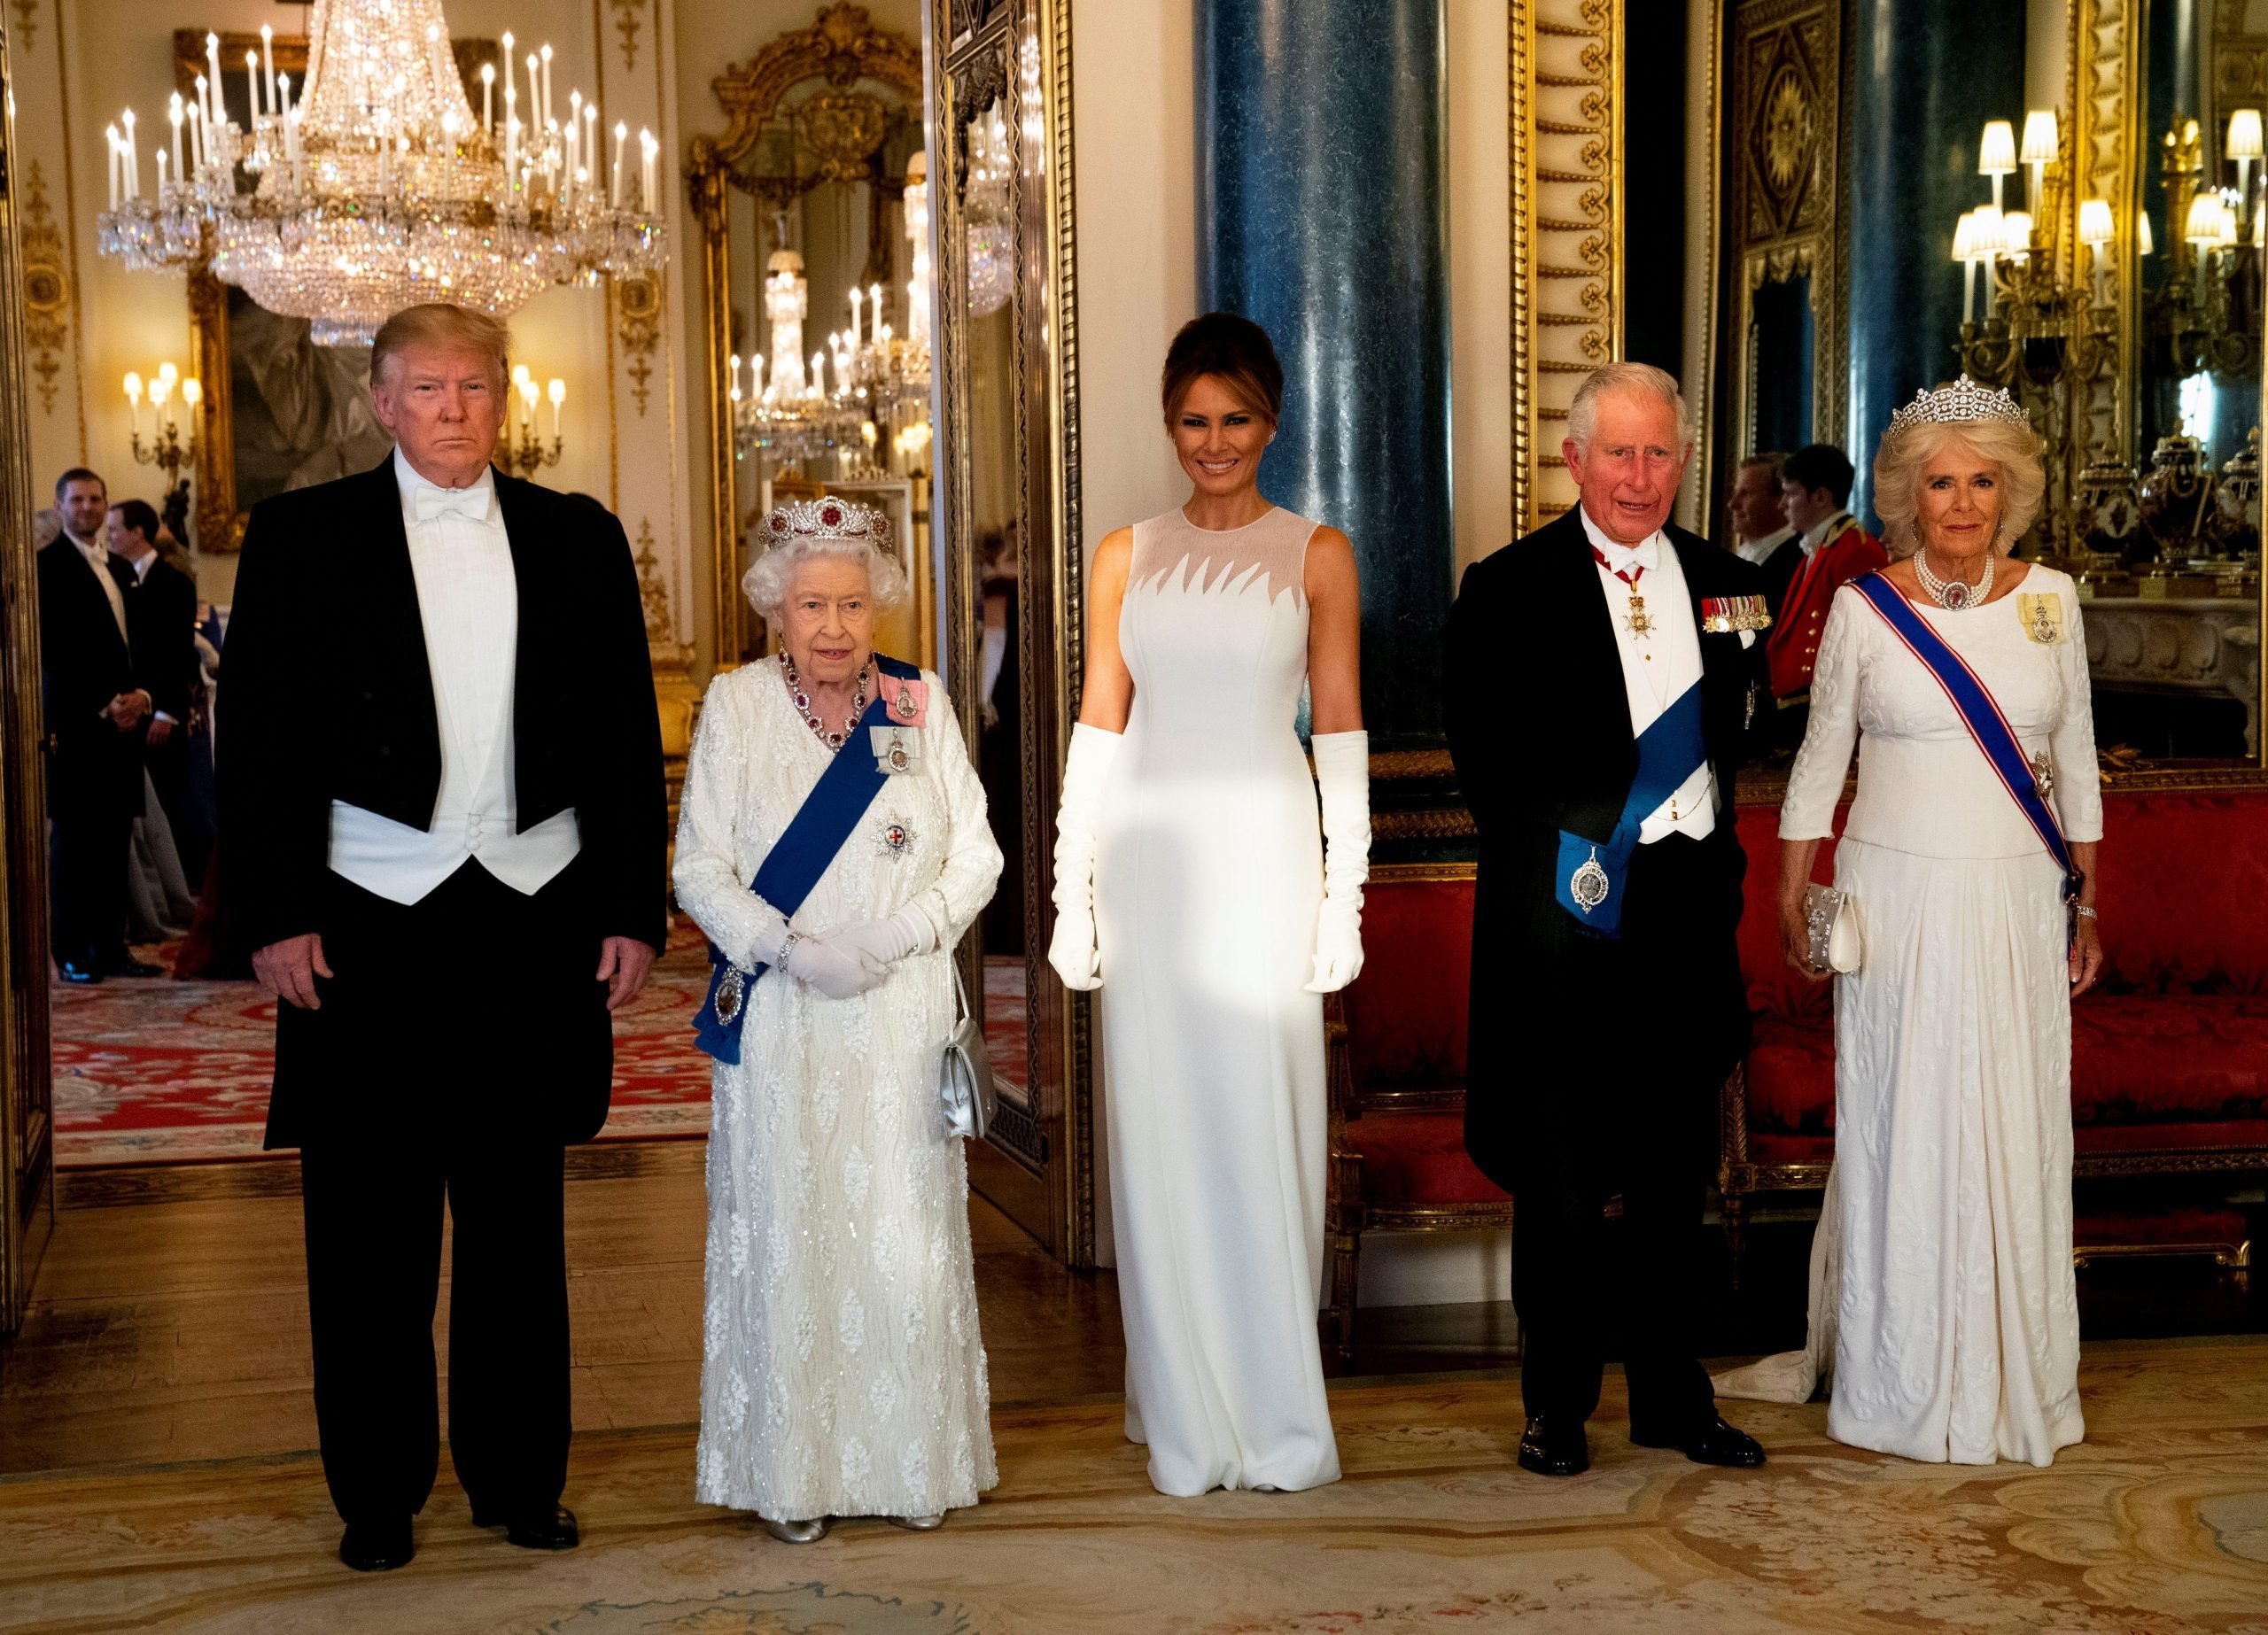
{"points": [[803, 700], [1953, 595]]}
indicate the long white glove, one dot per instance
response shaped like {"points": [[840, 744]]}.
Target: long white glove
{"points": [[892, 938], [836, 966], [1072, 949], [1342, 770]]}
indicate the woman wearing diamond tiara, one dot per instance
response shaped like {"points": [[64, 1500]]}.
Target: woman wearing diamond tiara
{"points": [[1942, 1286], [844, 1374], [1191, 887]]}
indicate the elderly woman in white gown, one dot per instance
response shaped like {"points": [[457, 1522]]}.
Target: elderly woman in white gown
{"points": [[1942, 1288], [843, 1375]]}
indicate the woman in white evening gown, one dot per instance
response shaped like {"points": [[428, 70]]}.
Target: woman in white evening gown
{"points": [[843, 1375], [1942, 1285], [1192, 886]]}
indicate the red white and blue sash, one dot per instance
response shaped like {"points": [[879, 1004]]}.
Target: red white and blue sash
{"points": [[1980, 712]]}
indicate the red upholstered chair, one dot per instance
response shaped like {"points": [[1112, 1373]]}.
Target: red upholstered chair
{"points": [[1396, 1043], [2169, 1056]]}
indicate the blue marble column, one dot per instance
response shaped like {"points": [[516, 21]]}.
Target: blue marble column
{"points": [[1928, 74], [1322, 217]]}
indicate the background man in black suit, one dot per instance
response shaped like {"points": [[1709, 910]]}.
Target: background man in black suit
{"points": [[440, 782], [161, 618], [1595, 1062], [94, 709]]}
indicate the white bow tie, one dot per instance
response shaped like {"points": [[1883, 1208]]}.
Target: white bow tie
{"points": [[1621, 558], [470, 503]]}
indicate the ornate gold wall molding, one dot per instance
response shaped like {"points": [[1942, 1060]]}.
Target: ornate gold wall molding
{"points": [[1566, 210], [638, 325], [47, 287], [843, 46], [27, 17], [629, 17], [2103, 142], [1785, 196], [652, 589]]}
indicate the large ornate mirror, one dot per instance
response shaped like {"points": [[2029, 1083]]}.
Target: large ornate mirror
{"points": [[1007, 447], [813, 222]]}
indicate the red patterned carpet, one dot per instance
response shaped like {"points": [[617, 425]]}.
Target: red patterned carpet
{"points": [[177, 1073]]}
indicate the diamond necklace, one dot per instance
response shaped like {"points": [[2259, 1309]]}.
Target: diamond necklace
{"points": [[1954, 596], [803, 700]]}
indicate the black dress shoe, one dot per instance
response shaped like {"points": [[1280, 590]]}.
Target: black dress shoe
{"points": [[1715, 1443], [540, 1530], [1555, 1448], [84, 975], [377, 1546], [130, 966]]}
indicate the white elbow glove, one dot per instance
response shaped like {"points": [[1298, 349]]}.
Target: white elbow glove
{"points": [[895, 937], [838, 967], [1342, 770], [1072, 950]]}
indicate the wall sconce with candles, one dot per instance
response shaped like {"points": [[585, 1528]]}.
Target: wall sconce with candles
{"points": [[519, 446], [167, 449], [2203, 314]]}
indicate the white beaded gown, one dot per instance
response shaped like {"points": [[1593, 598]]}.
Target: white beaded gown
{"points": [[1942, 1286], [842, 1371], [1209, 874]]}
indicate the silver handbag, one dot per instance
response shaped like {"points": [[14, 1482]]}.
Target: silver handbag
{"points": [[1836, 937], [965, 1083]]}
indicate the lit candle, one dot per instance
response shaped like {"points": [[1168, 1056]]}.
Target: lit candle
{"points": [[535, 91], [819, 375], [117, 168], [567, 182], [736, 375], [614, 193], [134, 400], [173, 116], [549, 118], [755, 374], [252, 81], [488, 100], [133, 162], [647, 148], [218, 112], [855, 299], [161, 152], [205, 99], [283, 95], [874, 312], [558, 394], [267, 58]]}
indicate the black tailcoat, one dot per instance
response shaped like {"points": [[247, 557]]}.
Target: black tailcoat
{"points": [[162, 614], [1538, 724], [330, 697], [84, 663]]}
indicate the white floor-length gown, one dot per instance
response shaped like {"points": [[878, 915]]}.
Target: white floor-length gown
{"points": [[1944, 1288], [1208, 873], [844, 1374]]}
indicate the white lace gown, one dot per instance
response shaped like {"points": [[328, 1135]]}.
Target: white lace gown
{"points": [[1209, 874], [1943, 1287], [842, 1371]]}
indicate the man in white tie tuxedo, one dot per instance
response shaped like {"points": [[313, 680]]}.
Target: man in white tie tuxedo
{"points": [[443, 825]]}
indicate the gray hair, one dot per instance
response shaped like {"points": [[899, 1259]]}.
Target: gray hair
{"points": [[772, 575], [1624, 376]]}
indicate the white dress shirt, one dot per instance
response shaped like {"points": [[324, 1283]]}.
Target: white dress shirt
{"points": [[467, 602], [1759, 551], [1657, 666], [97, 555]]}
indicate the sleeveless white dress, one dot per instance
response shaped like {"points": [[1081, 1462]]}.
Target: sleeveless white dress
{"points": [[1209, 874], [1942, 1299]]}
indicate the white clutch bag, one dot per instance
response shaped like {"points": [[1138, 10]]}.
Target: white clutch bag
{"points": [[1836, 940]]}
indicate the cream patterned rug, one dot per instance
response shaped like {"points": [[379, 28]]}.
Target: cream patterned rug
{"points": [[2156, 1525]]}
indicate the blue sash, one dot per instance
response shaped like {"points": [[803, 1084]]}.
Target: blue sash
{"points": [[1591, 873], [1980, 712], [797, 860]]}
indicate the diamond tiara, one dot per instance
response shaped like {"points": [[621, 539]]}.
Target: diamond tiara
{"points": [[1964, 400], [826, 517]]}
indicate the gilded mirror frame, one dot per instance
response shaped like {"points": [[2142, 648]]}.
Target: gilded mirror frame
{"points": [[1039, 1168], [841, 46]]}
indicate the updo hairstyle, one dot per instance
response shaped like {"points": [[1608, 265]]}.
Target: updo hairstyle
{"points": [[1234, 351], [1898, 464]]}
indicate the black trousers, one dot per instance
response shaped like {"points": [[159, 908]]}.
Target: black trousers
{"points": [[1625, 1101], [89, 843], [374, 1258], [463, 1043]]}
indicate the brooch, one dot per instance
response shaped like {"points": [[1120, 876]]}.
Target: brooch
{"points": [[1722, 615], [908, 699], [894, 752], [732, 993], [894, 837], [2042, 616], [1589, 884]]}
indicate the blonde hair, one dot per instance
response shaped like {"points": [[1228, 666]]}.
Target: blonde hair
{"points": [[443, 325], [772, 575], [1898, 464]]}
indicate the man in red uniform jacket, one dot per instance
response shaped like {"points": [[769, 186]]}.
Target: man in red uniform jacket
{"points": [[1828, 551]]}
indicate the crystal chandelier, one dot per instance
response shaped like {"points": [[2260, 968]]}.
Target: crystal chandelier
{"points": [[376, 188], [991, 233]]}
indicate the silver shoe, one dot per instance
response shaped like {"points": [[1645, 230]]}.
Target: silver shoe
{"points": [[797, 1532], [917, 1523]]}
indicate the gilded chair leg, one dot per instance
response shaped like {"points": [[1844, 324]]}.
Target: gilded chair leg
{"points": [[1733, 1213], [1344, 1261]]}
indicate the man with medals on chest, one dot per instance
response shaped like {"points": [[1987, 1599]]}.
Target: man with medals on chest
{"points": [[440, 778], [1603, 674]]}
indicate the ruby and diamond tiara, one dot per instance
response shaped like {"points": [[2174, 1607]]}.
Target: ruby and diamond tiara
{"points": [[826, 517], [1964, 400]]}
